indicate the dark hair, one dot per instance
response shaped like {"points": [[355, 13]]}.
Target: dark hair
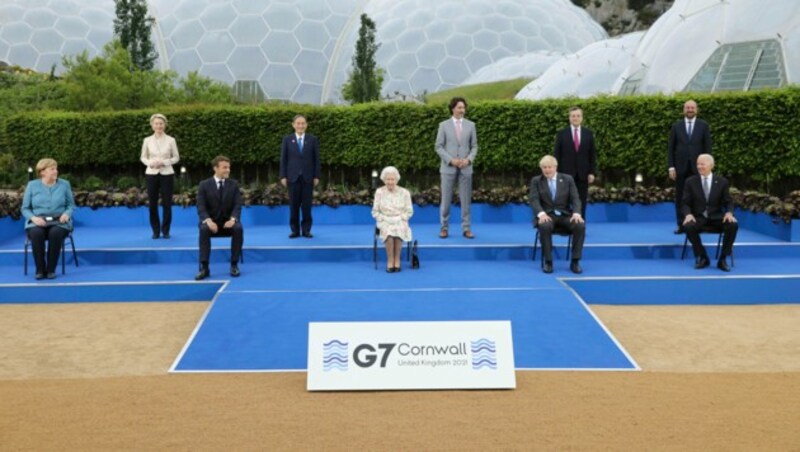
{"points": [[454, 101], [299, 116], [218, 159]]}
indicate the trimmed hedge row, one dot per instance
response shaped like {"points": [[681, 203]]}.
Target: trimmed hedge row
{"points": [[755, 135]]}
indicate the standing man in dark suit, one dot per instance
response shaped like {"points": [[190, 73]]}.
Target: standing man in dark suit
{"points": [[708, 206], [300, 170], [219, 206], [457, 147], [576, 154], [556, 206], [688, 138]]}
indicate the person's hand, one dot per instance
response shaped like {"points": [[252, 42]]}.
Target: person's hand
{"points": [[316, 181], [729, 218], [544, 218], [576, 218], [63, 218], [212, 227], [688, 219], [229, 224], [38, 221], [672, 174], [591, 178], [283, 181]]}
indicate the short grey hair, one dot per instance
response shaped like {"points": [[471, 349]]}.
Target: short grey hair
{"points": [[390, 170], [708, 157], [548, 160], [158, 116]]}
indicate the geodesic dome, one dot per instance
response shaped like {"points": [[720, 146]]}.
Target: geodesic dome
{"points": [[717, 45], [530, 65], [301, 50], [590, 71]]}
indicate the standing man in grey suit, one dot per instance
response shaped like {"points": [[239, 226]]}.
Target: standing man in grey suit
{"points": [[300, 170], [688, 138], [576, 154], [457, 146], [557, 206]]}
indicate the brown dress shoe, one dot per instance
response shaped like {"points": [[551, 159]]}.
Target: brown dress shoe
{"points": [[443, 234]]}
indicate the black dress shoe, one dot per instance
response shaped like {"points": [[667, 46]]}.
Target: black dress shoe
{"points": [[547, 267], [294, 235], [308, 235], [723, 265], [389, 269], [165, 235], [155, 235], [202, 274], [701, 263], [40, 276], [51, 275], [235, 271], [575, 267], [397, 269]]}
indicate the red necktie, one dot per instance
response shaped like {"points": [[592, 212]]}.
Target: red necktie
{"points": [[576, 139]]}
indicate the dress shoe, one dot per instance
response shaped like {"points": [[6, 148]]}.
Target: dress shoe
{"points": [[397, 269], [723, 265], [40, 276], [308, 235], [294, 235], [701, 263], [235, 271], [202, 274], [575, 267], [469, 235], [547, 267], [389, 269], [155, 235], [679, 230], [51, 275], [165, 235], [443, 234]]}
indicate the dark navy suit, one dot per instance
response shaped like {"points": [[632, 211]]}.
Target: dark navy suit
{"points": [[300, 169]]}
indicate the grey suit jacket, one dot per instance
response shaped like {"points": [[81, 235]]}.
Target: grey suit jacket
{"points": [[567, 200], [448, 147]]}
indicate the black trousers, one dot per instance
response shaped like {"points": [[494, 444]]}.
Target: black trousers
{"points": [[54, 236], [680, 182], [300, 196], [236, 233], [561, 223], [703, 224], [158, 184], [583, 193]]}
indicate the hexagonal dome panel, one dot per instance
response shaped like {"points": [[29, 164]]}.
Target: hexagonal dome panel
{"points": [[249, 30], [247, 63], [215, 47]]}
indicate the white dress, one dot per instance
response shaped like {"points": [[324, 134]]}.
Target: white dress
{"points": [[391, 211]]}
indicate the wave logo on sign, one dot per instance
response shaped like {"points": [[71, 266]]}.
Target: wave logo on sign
{"points": [[484, 354], [334, 355]]}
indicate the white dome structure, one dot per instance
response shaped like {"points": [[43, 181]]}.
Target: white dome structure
{"points": [[530, 65], [590, 71], [301, 50], [717, 45]]}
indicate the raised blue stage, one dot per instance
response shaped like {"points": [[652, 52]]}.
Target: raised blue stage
{"points": [[258, 322]]}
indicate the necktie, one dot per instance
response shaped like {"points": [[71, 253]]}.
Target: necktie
{"points": [[458, 130], [706, 187], [220, 186], [300, 145], [689, 129], [576, 139]]}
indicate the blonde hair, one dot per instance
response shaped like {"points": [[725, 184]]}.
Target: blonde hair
{"points": [[45, 163], [158, 116], [390, 170], [548, 160]]}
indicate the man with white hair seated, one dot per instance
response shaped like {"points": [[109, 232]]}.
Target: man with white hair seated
{"points": [[708, 207], [392, 209]]}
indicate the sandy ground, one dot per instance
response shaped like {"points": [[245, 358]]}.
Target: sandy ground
{"points": [[93, 377]]}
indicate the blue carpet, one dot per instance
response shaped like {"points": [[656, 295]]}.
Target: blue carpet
{"points": [[108, 292]]}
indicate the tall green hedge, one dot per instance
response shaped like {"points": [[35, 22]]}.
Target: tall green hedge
{"points": [[756, 135]]}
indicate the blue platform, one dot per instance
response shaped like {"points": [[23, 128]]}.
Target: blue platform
{"points": [[258, 322]]}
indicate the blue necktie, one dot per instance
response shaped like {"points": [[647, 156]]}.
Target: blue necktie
{"points": [[689, 130], [300, 145]]}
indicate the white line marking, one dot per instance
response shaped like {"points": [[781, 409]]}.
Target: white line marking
{"points": [[432, 289], [113, 283], [197, 327], [639, 278]]}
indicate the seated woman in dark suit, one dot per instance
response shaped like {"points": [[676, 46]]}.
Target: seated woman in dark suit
{"points": [[47, 207], [392, 209]]}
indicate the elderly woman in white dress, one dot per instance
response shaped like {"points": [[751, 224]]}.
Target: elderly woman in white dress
{"points": [[392, 209]]}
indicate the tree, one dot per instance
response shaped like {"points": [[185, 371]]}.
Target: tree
{"points": [[133, 28], [366, 78]]}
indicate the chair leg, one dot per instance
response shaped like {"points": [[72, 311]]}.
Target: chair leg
{"points": [[64, 257], [408, 252], [74, 253], [719, 246], [27, 242], [375, 251], [569, 245], [535, 245], [685, 242]]}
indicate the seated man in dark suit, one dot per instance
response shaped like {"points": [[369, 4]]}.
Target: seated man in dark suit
{"points": [[708, 207], [219, 204], [557, 206]]}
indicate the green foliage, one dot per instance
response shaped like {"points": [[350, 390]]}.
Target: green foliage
{"points": [[126, 182], [754, 134], [196, 89], [26, 90], [366, 78], [133, 28], [503, 90]]}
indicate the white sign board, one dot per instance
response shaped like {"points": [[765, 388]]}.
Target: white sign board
{"points": [[410, 355]]}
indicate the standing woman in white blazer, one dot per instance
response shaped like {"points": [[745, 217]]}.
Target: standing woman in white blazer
{"points": [[159, 153]]}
